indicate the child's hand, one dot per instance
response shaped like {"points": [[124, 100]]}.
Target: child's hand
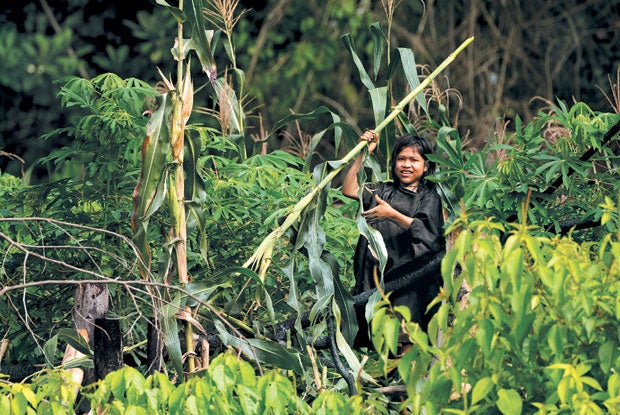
{"points": [[382, 210], [372, 138]]}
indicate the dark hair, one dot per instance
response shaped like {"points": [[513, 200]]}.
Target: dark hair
{"points": [[420, 144]]}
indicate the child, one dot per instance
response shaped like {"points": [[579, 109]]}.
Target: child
{"points": [[408, 214]]}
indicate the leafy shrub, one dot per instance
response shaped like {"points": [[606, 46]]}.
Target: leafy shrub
{"points": [[228, 386], [540, 332]]}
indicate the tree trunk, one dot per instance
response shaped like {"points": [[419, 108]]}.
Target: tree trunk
{"points": [[108, 347]]}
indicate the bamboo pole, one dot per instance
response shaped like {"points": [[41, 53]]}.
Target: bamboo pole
{"points": [[261, 259]]}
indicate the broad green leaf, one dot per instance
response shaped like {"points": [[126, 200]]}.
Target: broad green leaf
{"points": [[170, 333], [481, 389], [556, 341], [344, 302], [509, 402], [607, 353], [391, 330], [49, 349], [200, 291], [73, 338], [484, 337], [268, 352]]}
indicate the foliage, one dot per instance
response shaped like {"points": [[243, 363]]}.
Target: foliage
{"points": [[539, 333], [560, 157], [228, 386], [519, 345]]}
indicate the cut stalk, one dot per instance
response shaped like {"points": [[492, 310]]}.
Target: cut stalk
{"points": [[261, 259]]}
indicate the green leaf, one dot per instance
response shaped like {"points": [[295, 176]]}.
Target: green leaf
{"points": [[410, 69], [49, 349], [484, 337], [344, 301], [607, 356], [170, 333], [349, 355], [268, 352], [379, 100], [481, 389], [194, 11], [74, 338], [375, 240], [391, 330], [377, 43], [348, 43], [556, 341], [509, 402]]}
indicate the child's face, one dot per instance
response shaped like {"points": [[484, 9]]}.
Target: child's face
{"points": [[409, 166]]}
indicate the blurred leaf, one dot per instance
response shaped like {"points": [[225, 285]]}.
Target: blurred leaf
{"points": [[481, 389], [377, 43], [509, 402]]}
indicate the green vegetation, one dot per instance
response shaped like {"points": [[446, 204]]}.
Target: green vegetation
{"points": [[165, 196]]}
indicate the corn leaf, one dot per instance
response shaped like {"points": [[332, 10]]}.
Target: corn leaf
{"points": [[263, 351], [377, 43], [348, 43], [170, 334], [410, 69], [193, 9], [147, 198]]}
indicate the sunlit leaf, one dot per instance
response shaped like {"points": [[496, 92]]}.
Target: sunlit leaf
{"points": [[509, 402]]}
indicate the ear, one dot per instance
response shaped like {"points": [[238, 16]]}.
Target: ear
{"points": [[425, 165]]}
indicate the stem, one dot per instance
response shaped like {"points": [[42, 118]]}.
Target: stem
{"points": [[179, 219]]}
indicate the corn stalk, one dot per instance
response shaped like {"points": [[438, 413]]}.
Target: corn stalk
{"points": [[261, 259], [164, 146]]}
